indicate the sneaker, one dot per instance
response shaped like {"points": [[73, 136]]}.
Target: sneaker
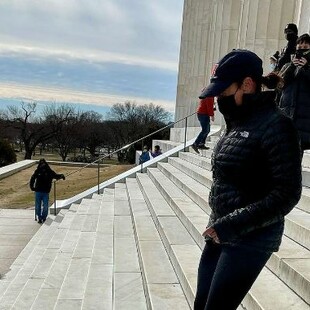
{"points": [[40, 221], [203, 147], [195, 148]]}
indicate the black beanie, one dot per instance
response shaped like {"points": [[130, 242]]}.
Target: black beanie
{"points": [[291, 27]]}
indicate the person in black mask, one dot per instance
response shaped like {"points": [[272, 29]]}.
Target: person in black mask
{"points": [[291, 35], [295, 97], [256, 168]]}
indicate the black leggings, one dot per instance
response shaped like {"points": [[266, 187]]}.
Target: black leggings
{"points": [[225, 275]]}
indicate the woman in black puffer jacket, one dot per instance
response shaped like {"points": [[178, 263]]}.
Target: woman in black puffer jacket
{"points": [[295, 98], [256, 182]]}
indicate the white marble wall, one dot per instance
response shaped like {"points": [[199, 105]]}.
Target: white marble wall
{"points": [[211, 28]]}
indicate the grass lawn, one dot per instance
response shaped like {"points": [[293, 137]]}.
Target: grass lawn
{"points": [[15, 191]]}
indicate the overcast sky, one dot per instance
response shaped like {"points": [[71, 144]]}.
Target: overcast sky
{"points": [[97, 52]]}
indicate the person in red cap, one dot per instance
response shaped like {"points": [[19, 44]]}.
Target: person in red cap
{"points": [[205, 111], [256, 170]]}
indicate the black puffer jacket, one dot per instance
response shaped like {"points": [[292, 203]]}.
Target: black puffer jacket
{"points": [[295, 100], [256, 176]]}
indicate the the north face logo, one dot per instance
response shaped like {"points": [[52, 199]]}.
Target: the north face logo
{"points": [[244, 134]]}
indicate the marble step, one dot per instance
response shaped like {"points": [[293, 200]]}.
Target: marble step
{"points": [[27, 262], [200, 161], [26, 252], [195, 190], [306, 176], [161, 283], [304, 202], [127, 270], [203, 176], [74, 264], [290, 263], [297, 221], [174, 237]]}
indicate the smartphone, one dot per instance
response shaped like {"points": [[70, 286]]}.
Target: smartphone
{"points": [[299, 54]]}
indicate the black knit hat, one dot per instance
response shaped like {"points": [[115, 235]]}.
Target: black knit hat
{"points": [[291, 27]]}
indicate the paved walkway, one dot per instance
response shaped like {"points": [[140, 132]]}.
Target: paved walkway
{"points": [[16, 229]]}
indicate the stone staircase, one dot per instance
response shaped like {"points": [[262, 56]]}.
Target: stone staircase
{"points": [[137, 246]]}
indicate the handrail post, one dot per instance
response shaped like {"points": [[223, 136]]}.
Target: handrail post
{"points": [[55, 197], [98, 177], [185, 134]]}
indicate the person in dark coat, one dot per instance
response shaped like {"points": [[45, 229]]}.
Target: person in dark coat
{"points": [[157, 151], [41, 184], [291, 35], [295, 97], [256, 168]]}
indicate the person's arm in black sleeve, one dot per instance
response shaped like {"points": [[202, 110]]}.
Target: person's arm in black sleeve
{"points": [[57, 176], [286, 56], [281, 146], [32, 180]]}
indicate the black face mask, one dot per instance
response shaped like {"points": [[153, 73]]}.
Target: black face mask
{"points": [[290, 36], [231, 111], [227, 106]]}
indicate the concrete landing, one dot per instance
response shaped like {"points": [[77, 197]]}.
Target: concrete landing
{"points": [[16, 229]]}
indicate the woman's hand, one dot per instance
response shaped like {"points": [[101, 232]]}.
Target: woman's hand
{"points": [[299, 62], [210, 232]]}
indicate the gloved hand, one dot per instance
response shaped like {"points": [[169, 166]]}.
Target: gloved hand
{"points": [[32, 188], [63, 177]]}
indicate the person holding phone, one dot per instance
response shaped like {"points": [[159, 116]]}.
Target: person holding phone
{"points": [[295, 97]]}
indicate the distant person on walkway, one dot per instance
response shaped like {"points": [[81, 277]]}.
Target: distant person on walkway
{"points": [[157, 151], [205, 111], [41, 183], [291, 35], [256, 170], [145, 156], [295, 98]]}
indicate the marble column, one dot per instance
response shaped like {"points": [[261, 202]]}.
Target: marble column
{"points": [[211, 28]]}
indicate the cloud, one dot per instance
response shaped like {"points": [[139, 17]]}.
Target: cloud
{"points": [[139, 32], [89, 55], [92, 52], [36, 93]]}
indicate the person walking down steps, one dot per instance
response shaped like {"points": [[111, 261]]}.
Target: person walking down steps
{"points": [[256, 170], [205, 112], [41, 184]]}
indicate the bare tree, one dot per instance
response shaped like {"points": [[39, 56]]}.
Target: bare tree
{"points": [[131, 122], [34, 129], [66, 137], [92, 135]]}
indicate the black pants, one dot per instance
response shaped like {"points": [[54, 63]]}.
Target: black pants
{"points": [[225, 275]]}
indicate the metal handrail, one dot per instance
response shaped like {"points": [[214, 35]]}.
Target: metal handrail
{"points": [[123, 148]]}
